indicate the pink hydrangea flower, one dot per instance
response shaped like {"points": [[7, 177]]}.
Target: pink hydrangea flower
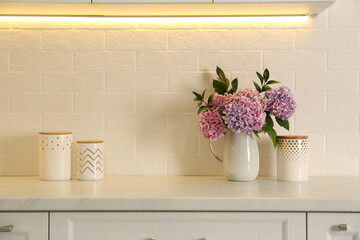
{"points": [[251, 94], [246, 112], [281, 103], [210, 124], [219, 101]]}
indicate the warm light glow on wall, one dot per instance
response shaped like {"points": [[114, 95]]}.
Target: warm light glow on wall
{"points": [[275, 19]]}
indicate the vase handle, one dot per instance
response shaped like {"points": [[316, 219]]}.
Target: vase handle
{"points": [[213, 153]]}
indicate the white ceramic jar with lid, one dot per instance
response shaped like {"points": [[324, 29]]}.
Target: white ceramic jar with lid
{"points": [[90, 160], [55, 155], [292, 158]]}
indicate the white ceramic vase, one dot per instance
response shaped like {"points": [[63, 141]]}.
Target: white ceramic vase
{"points": [[241, 157]]}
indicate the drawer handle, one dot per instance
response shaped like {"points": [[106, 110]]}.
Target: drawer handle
{"points": [[157, 239], [343, 227], [6, 228]]}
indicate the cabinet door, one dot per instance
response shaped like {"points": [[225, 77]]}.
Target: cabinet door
{"points": [[333, 226], [29, 226], [177, 226], [269, 1], [49, 1], [152, 1]]}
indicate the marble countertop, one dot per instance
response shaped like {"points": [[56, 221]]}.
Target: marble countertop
{"points": [[179, 194]]}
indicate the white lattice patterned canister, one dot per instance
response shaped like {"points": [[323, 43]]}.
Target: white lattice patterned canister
{"points": [[292, 158], [90, 160], [55, 155]]}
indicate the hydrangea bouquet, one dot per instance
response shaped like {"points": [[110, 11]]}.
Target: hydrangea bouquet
{"points": [[245, 111]]}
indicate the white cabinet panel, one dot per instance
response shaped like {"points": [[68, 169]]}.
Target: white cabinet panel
{"points": [[48, 1], [152, 1], [270, 1], [277, 7], [177, 226], [26, 226], [326, 226]]}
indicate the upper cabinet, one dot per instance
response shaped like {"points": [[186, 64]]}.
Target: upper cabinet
{"points": [[276, 7], [48, 8], [269, 1], [152, 1], [47, 1]]}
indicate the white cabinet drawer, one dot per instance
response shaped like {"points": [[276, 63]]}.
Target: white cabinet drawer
{"points": [[326, 226], [177, 226], [26, 226]]}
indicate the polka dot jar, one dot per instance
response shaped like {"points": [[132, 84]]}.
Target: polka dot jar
{"points": [[55, 155], [292, 158]]}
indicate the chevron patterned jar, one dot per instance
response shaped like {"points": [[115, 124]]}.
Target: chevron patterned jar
{"points": [[90, 160]]}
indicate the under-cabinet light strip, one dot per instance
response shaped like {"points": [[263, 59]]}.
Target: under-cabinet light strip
{"points": [[216, 19]]}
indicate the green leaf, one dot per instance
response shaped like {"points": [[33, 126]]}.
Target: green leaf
{"points": [[266, 88], [195, 100], [272, 82], [234, 84], [256, 134], [266, 75], [201, 109], [198, 96], [210, 99], [260, 77], [203, 94], [269, 121], [231, 91], [269, 124], [199, 104], [258, 88], [219, 87], [222, 77], [283, 123], [221, 74], [273, 135], [227, 83]]}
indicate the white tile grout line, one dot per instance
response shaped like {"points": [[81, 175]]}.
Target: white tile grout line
{"points": [[325, 145], [294, 39], [326, 102], [167, 40], [358, 123], [198, 60]]}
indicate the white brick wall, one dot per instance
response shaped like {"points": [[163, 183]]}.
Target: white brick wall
{"points": [[136, 39], [129, 82], [41, 61]]}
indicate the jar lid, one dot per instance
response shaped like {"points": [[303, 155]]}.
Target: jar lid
{"points": [[55, 133], [293, 137], [90, 141]]}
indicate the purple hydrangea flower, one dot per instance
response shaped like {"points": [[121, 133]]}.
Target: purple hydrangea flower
{"points": [[210, 124], [280, 103], [246, 112]]}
